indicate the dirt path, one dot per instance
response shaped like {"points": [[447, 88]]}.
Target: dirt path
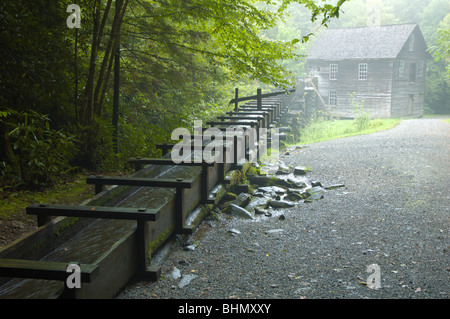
{"points": [[394, 212]]}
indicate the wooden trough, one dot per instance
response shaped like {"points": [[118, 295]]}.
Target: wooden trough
{"points": [[113, 236]]}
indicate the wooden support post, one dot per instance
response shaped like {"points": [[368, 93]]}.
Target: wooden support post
{"points": [[235, 148], [204, 182], [179, 220], [221, 172], [137, 165], [99, 187], [259, 99], [164, 148], [42, 220], [141, 251], [236, 103]]}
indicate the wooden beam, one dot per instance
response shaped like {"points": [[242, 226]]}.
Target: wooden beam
{"points": [[248, 113], [163, 161], [137, 181], [246, 123], [45, 210], [241, 116], [263, 96], [48, 270]]}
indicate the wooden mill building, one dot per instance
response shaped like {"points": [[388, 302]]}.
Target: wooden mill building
{"points": [[384, 66]]}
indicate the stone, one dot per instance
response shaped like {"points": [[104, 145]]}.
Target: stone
{"points": [[302, 192], [296, 183], [174, 274], [241, 188], [228, 197], [316, 183], [242, 200], [281, 204], [260, 211], [190, 247], [185, 280], [300, 170], [260, 202], [281, 172], [316, 193], [335, 186], [262, 181], [258, 194], [293, 197], [272, 189], [238, 211]]}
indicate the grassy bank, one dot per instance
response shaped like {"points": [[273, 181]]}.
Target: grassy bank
{"points": [[327, 130], [14, 222], [71, 191]]}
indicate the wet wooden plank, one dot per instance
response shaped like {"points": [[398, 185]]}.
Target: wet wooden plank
{"points": [[262, 96], [45, 210], [165, 161], [139, 181], [48, 270]]}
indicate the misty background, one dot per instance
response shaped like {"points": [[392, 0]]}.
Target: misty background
{"points": [[430, 15]]}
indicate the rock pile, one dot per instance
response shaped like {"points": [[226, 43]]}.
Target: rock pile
{"points": [[272, 188]]}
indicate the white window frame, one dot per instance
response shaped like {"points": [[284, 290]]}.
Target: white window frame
{"points": [[332, 97], [363, 70], [401, 68], [333, 72], [420, 68]]}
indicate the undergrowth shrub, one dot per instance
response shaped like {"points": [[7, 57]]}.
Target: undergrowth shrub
{"points": [[35, 155]]}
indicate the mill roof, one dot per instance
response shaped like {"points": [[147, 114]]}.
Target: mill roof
{"points": [[376, 42]]}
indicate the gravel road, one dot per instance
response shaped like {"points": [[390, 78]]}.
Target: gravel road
{"points": [[394, 212]]}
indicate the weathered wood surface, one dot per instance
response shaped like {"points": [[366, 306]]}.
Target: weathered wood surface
{"points": [[48, 270], [143, 214], [139, 181]]}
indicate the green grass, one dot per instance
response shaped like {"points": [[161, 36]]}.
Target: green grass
{"points": [[328, 130], [72, 191], [435, 115], [447, 120]]}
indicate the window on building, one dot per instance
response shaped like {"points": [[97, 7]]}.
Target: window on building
{"points": [[420, 68], [412, 72], [333, 71], [401, 68], [362, 71], [332, 98], [411, 42]]}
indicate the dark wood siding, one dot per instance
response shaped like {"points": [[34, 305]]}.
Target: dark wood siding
{"points": [[408, 92], [385, 93], [375, 91]]}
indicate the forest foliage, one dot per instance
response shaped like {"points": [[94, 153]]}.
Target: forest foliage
{"points": [[64, 105]]}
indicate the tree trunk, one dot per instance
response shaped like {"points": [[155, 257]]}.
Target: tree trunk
{"points": [[115, 115], [86, 111], [102, 82]]}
